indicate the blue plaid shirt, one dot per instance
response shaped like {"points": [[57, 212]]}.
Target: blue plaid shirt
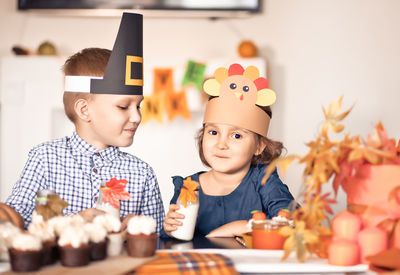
{"points": [[75, 170]]}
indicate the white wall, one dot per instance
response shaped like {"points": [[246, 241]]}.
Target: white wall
{"points": [[317, 50]]}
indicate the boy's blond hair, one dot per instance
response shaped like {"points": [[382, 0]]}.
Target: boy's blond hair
{"points": [[87, 62]]}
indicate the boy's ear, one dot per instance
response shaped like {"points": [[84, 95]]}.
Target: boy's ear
{"points": [[81, 108], [262, 143]]}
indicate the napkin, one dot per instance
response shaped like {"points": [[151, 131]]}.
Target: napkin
{"points": [[187, 263], [388, 260]]}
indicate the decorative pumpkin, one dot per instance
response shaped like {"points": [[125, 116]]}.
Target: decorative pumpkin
{"points": [[7, 213], [247, 49]]}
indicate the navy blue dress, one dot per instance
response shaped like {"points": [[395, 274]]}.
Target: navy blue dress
{"points": [[249, 195]]}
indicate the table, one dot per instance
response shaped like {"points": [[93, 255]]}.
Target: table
{"points": [[257, 261], [246, 261]]}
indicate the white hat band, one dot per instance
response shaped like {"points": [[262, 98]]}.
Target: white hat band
{"points": [[79, 84]]}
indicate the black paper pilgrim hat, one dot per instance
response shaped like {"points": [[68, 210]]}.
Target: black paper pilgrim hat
{"points": [[124, 72]]}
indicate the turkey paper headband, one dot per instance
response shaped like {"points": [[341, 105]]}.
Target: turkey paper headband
{"points": [[124, 72], [237, 93]]}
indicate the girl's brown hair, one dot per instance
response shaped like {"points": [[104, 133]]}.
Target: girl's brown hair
{"points": [[272, 150], [88, 62]]}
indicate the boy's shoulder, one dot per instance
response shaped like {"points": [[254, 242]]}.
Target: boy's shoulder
{"points": [[60, 143]]}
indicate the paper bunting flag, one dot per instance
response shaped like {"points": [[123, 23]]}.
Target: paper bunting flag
{"points": [[176, 105], [163, 80], [194, 74], [152, 108]]}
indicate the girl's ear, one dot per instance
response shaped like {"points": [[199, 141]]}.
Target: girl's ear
{"points": [[262, 143], [81, 108]]}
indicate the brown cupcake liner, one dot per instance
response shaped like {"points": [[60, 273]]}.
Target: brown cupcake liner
{"points": [[98, 251], [50, 253], [23, 261], [142, 245], [70, 256]]}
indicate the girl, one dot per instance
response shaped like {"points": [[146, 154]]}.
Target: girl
{"points": [[233, 143]]}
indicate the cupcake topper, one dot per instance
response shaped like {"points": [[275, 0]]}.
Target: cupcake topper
{"points": [[113, 192], [52, 207], [238, 91], [188, 191]]}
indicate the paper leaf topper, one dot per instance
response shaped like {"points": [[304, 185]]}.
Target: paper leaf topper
{"points": [[188, 191], [53, 207], [113, 192]]}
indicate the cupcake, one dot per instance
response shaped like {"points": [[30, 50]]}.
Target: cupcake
{"points": [[115, 237], [45, 233], [74, 246], [25, 252], [7, 232], [141, 237], [58, 224], [97, 240]]}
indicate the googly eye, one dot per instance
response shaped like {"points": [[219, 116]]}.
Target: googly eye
{"points": [[232, 86], [246, 88]]}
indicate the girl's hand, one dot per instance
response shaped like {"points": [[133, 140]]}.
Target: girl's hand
{"points": [[171, 220]]}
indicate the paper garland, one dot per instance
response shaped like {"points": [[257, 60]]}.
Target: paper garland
{"points": [[194, 74], [164, 97]]}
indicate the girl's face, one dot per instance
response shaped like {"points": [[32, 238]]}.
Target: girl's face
{"points": [[114, 119], [229, 149]]}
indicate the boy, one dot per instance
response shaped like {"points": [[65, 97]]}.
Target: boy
{"points": [[106, 113]]}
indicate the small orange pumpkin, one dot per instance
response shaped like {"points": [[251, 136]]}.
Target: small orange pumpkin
{"points": [[247, 49]]}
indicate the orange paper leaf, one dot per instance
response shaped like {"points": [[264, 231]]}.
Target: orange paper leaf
{"points": [[188, 191]]}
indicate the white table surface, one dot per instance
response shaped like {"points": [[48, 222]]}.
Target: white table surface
{"points": [[268, 261]]}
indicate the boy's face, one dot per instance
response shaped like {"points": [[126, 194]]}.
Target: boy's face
{"points": [[113, 119]]}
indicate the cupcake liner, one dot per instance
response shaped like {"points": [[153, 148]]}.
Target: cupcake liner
{"points": [[98, 251], [50, 253], [71, 256], [23, 261], [142, 245]]}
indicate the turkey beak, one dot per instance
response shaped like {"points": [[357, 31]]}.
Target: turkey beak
{"points": [[238, 94]]}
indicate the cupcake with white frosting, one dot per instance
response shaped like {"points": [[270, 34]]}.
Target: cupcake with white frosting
{"points": [[74, 246], [45, 233], [115, 237], [59, 223], [97, 240], [141, 237], [25, 252]]}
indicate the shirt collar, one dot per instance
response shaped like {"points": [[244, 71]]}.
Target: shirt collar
{"points": [[81, 147]]}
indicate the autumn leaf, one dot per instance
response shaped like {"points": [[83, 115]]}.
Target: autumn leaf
{"points": [[282, 163], [297, 240], [313, 211], [333, 117]]}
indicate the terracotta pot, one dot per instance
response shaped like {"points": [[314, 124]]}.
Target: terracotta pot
{"points": [[371, 187]]}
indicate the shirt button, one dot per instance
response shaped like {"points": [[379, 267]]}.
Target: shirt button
{"points": [[95, 170], [98, 154]]}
